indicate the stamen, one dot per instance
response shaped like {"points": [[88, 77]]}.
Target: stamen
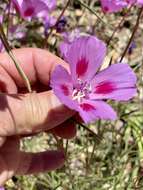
{"points": [[77, 95], [81, 90]]}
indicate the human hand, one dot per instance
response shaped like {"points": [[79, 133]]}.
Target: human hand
{"points": [[23, 113]]}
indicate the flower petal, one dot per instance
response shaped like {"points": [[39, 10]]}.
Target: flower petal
{"points": [[85, 56], [32, 8], [92, 110], [140, 2], [64, 47], [110, 6], [62, 87], [50, 4], [116, 82], [88, 110]]}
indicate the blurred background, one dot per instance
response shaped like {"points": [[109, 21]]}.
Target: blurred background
{"points": [[114, 159]]}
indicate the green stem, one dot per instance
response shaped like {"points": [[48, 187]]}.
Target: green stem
{"points": [[89, 130], [66, 149], [11, 55], [133, 33], [95, 143], [9, 18], [138, 135]]}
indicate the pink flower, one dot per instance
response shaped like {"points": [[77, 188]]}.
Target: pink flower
{"points": [[140, 2], [48, 21], [2, 188], [17, 32], [110, 6], [69, 37], [33, 8], [113, 5], [85, 88], [1, 46]]}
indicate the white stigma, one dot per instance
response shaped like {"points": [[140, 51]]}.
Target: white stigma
{"points": [[81, 91]]}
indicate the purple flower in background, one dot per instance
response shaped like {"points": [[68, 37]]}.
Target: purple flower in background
{"points": [[33, 8], [109, 6], [131, 48], [60, 26], [17, 32], [48, 22], [1, 46], [1, 19], [84, 88], [2, 188], [140, 2]]}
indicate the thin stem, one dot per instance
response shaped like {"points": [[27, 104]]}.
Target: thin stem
{"points": [[8, 22], [21, 72], [66, 149], [119, 25], [91, 10], [138, 135], [87, 156], [129, 113], [89, 130], [95, 143], [92, 153], [58, 19], [17, 65], [59, 142], [133, 33]]}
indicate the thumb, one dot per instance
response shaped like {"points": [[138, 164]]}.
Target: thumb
{"points": [[29, 113]]}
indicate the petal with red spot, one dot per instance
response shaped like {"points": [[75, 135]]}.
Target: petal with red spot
{"points": [[85, 56], [105, 87], [65, 90], [87, 107], [92, 110], [29, 11], [62, 86], [81, 67], [113, 5], [117, 82]]}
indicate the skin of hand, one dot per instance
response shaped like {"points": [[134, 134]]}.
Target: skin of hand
{"points": [[24, 114]]}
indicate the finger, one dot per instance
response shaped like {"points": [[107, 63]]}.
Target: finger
{"points": [[2, 140], [3, 173], [66, 130], [30, 113], [7, 84], [36, 63], [32, 163], [9, 158]]}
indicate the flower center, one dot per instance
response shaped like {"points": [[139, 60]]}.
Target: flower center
{"points": [[81, 91]]}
